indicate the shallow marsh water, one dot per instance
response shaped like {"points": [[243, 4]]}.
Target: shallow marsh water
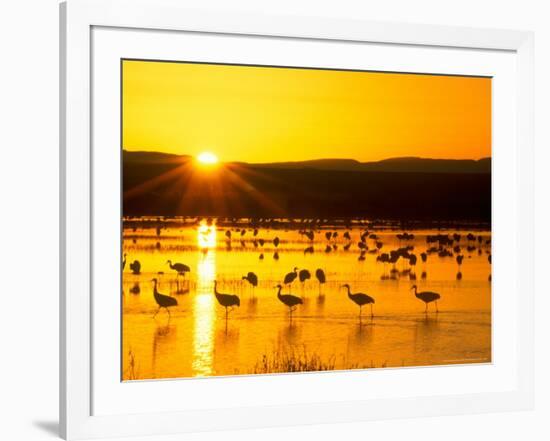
{"points": [[325, 332]]}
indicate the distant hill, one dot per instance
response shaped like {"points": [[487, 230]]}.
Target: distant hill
{"points": [[393, 165], [401, 188]]}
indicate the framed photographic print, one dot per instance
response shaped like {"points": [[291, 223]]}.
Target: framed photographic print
{"points": [[286, 220]]}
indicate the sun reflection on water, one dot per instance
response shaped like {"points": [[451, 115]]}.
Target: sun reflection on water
{"points": [[203, 304]]}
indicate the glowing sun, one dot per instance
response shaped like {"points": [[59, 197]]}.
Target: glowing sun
{"points": [[207, 158]]}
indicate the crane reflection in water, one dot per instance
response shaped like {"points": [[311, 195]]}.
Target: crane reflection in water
{"points": [[204, 302]]}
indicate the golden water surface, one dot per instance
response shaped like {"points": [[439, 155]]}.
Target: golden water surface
{"points": [[325, 332]]}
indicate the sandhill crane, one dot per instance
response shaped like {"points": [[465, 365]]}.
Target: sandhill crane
{"points": [[252, 279], [309, 250], [360, 299], [290, 277], [135, 266], [228, 234], [347, 235], [180, 268], [226, 300], [289, 300], [320, 274], [427, 297], [276, 242], [304, 275], [261, 256], [162, 300], [459, 260]]}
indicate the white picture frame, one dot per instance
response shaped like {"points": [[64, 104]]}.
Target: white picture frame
{"points": [[78, 19]]}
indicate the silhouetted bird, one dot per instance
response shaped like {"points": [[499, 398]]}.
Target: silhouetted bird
{"points": [[289, 300], [360, 299], [180, 268], [276, 241], [135, 266], [251, 278], [226, 300], [162, 300], [427, 297], [228, 234], [261, 257], [290, 277], [304, 275], [320, 274], [276, 255]]}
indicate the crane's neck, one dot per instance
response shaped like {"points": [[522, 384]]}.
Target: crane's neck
{"points": [[155, 287], [279, 291], [216, 287], [349, 291], [415, 291]]}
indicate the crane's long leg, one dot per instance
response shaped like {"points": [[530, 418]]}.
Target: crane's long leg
{"points": [[371, 312], [156, 312], [426, 310], [436, 307], [169, 315]]}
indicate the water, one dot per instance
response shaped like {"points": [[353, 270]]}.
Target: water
{"points": [[325, 332]]}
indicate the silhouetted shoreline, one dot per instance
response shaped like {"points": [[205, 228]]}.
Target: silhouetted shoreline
{"points": [[169, 185]]}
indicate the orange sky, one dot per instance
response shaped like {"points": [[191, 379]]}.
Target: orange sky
{"points": [[263, 114]]}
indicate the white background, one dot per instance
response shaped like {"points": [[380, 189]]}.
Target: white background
{"points": [[28, 189]]}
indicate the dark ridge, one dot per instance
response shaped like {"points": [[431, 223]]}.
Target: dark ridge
{"points": [[394, 165], [272, 191]]}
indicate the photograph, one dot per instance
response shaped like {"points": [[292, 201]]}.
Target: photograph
{"points": [[287, 219]]}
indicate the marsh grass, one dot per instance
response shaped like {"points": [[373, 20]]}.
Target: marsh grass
{"points": [[284, 360]]}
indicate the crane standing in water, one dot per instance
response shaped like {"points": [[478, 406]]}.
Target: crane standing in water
{"points": [[226, 300], [290, 277], [303, 276], [320, 274], [427, 297], [162, 300], [180, 268], [289, 300], [360, 299], [252, 279]]}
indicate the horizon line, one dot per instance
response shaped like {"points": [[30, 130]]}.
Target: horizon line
{"points": [[313, 159]]}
